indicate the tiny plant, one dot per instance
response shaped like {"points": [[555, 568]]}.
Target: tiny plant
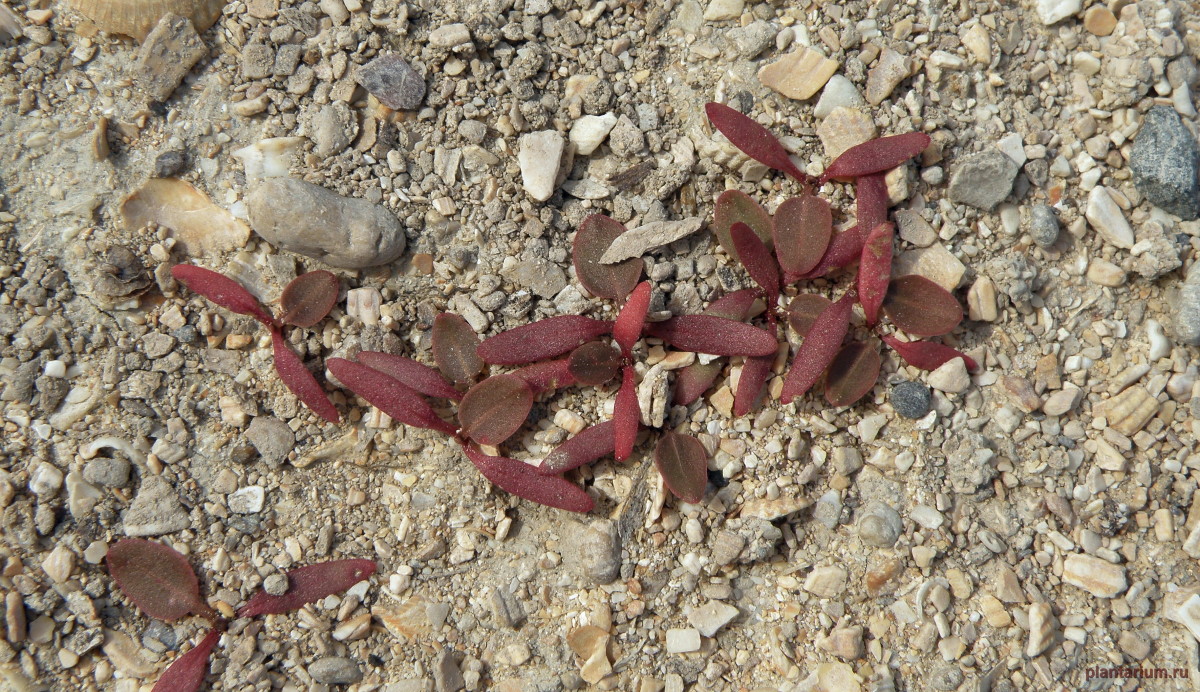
{"points": [[160, 582]]}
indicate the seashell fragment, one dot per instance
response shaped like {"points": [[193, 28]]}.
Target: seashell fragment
{"points": [[201, 226], [269, 158], [137, 17], [1128, 411]]}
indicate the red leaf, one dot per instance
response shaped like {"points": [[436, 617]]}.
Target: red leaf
{"points": [[187, 672], [221, 290], [875, 270], [755, 372], [804, 310], [758, 261], [299, 380], [715, 335], [735, 206], [628, 327], [802, 227], [694, 380], [845, 249], [524, 481], [157, 579], [927, 355], [822, 344], [612, 281], [309, 298], [546, 338], [494, 409], [626, 416], [551, 374], [388, 394], [594, 363], [852, 373], [735, 306], [454, 344], [872, 201], [410, 373], [877, 155], [753, 139], [309, 584], [591, 444], [921, 307], [683, 463]]}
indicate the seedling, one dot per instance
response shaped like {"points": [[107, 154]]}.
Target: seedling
{"points": [[163, 585]]}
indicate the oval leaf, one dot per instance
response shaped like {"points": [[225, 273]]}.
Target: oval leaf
{"points": [[416, 376], [921, 307], [735, 206], [753, 139], [693, 381], [874, 271], [927, 355], [454, 345], [157, 579], [844, 249], [547, 376], [628, 327], [611, 281], [754, 376], [494, 409], [852, 373], [309, 298], [822, 344], [299, 380], [543, 339], [804, 310], [757, 260], [309, 584], [594, 363], [735, 306], [626, 416], [388, 394], [872, 202], [221, 290], [715, 335], [877, 155], [188, 671], [524, 481], [591, 444], [801, 227], [683, 463]]}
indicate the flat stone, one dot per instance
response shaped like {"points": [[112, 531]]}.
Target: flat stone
{"points": [[1187, 309], [272, 438], [391, 80], [258, 61], [332, 129], [155, 510], [711, 617], [307, 219], [839, 92], [447, 677], [891, 69], [540, 276], [844, 128], [638, 241], [1165, 160], [248, 500], [983, 180], [540, 156], [1099, 20], [1063, 401], [626, 138], [722, 10], [1107, 218], [913, 228], [935, 263], [683, 640], [169, 52], [450, 35], [799, 74], [1098, 577], [597, 552], [826, 582], [1105, 273], [1054, 11], [1013, 147], [951, 377], [982, 305], [589, 131], [335, 670]]}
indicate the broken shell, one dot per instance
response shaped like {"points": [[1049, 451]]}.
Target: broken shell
{"points": [[1128, 411], [201, 226], [1042, 626], [137, 17], [269, 158]]}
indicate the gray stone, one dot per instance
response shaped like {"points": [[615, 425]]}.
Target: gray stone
{"points": [[638, 241], [473, 131], [335, 670], [272, 438], [332, 128], [625, 138], [390, 79], [167, 55], [540, 276], [911, 399], [155, 510], [1187, 309], [258, 61], [1164, 162], [169, 163], [839, 92], [447, 677], [879, 525], [752, 39], [983, 180], [340, 231], [1043, 225], [109, 472], [597, 551]]}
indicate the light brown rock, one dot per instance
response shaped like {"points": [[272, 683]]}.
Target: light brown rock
{"points": [[843, 128], [1099, 20], [885, 76], [167, 55], [1098, 577], [799, 74]]}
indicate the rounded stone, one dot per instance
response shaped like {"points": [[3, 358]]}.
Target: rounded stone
{"points": [[598, 552], [879, 525], [111, 473], [335, 670], [1043, 225], [911, 399]]}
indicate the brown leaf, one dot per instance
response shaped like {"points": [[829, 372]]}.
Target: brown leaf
{"points": [[309, 584], [801, 227], [524, 481], [187, 672], [299, 380], [591, 444], [683, 463], [388, 394], [735, 206], [852, 373], [877, 155], [416, 376], [819, 348], [626, 416], [804, 310], [157, 579], [753, 139], [543, 339], [927, 355], [693, 381], [548, 375], [611, 281], [454, 345], [594, 363], [628, 327], [309, 298], [735, 306], [921, 307], [874, 271], [757, 260], [494, 409], [221, 290], [714, 335], [755, 372]]}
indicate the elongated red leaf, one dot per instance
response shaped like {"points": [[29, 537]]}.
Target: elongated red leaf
{"points": [[877, 155], [309, 298], [735, 206], [683, 463], [612, 281], [594, 363], [755, 373], [758, 261], [454, 344], [819, 348], [852, 373], [921, 307], [591, 444], [628, 327], [540, 340], [715, 335], [524, 481], [872, 201], [693, 381], [753, 139], [416, 376], [927, 355], [626, 416], [802, 227], [221, 290], [735, 306], [804, 310], [309, 584], [187, 672], [494, 409], [299, 380], [844, 249], [547, 376], [875, 270], [157, 579], [388, 394]]}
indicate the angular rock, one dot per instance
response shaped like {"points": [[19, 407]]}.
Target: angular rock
{"points": [[983, 180], [335, 670], [1165, 159], [1187, 309], [332, 128], [935, 263], [307, 219], [1054, 11], [540, 157], [711, 617], [272, 438], [540, 276], [889, 71], [1107, 218], [721, 10], [638, 241], [597, 552], [1098, 577], [169, 52], [589, 131], [390, 79], [155, 510], [844, 128], [799, 74], [839, 92], [1043, 225], [826, 582]]}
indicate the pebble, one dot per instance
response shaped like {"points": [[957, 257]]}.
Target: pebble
{"points": [[1042, 628], [335, 670], [155, 510], [1043, 225], [1186, 320], [626, 138], [1107, 218], [723, 10], [1013, 147], [799, 74], [911, 399], [844, 128], [979, 43], [839, 92], [1164, 161], [332, 129], [709, 618], [683, 640], [935, 263], [45, 480], [450, 35], [589, 131], [248, 500], [258, 61], [542, 277], [879, 524], [913, 228], [1105, 273], [390, 79], [540, 157], [272, 438], [1160, 345], [951, 377], [167, 54], [826, 582], [1098, 577], [983, 180], [1099, 20], [891, 69], [1063, 401], [59, 564], [447, 676], [638, 241], [310, 220], [598, 552], [981, 301], [753, 39], [110, 472], [1053, 11], [844, 642]]}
